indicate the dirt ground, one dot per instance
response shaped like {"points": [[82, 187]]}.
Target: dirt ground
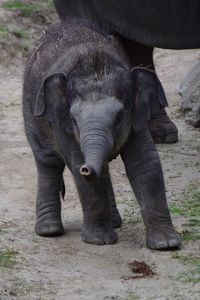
{"points": [[63, 268]]}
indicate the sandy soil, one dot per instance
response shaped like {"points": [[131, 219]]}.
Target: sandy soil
{"points": [[63, 268]]}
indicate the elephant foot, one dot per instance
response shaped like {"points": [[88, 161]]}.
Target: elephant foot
{"points": [[49, 225], [162, 129], [162, 238], [99, 235], [49, 228], [116, 218]]}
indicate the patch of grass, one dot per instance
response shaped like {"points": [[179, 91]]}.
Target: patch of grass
{"points": [[176, 210], [4, 32], [20, 33], [3, 228], [190, 236], [8, 258], [22, 6], [190, 205], [131, 296], [193, 275], [192, 223], [26, 8], [195, 261], [35, 238], [191, 231]]}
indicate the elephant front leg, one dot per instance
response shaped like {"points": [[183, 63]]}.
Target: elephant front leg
{"points": [[144, 171], [48, 206], [97, 227]]}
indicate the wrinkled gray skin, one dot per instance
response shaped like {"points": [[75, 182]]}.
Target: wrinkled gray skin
{"points": [[82, 107]]}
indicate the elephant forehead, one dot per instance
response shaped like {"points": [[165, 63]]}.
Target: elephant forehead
{"points": [[104, 106]]}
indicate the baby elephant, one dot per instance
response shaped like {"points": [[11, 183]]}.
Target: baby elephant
{"points": [[82, 107]]}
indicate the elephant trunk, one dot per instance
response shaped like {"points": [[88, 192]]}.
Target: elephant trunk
{"points": [[96, 145]]}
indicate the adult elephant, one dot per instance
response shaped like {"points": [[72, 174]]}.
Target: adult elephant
{"points": [[141, 25]]}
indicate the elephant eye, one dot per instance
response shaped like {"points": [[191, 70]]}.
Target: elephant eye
{"points": [[73, 120], [118, 119]]}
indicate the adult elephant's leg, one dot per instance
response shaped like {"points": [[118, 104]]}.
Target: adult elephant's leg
{"points": [[144, 171], [162, 129], [48, 206]]}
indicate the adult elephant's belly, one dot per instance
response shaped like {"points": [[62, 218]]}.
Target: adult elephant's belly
{"points": [[173, 24]]}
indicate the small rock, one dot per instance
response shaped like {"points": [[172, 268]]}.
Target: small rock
{"points": [[190, 93]]}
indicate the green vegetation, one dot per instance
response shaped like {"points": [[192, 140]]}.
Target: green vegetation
{"points": [[192, 223], [26, 8], [195, 261], [194, 275], [8, 258], [19, 33], [190, 204], [4, 32], [190, 236], [131, 296], [3, 228], [35, 238]]}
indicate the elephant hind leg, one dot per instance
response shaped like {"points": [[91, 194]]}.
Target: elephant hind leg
{"points": [[162, 129]]}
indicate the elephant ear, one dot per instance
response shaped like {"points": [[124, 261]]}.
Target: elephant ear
{"points": [[149, 96], [51, 101]]}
